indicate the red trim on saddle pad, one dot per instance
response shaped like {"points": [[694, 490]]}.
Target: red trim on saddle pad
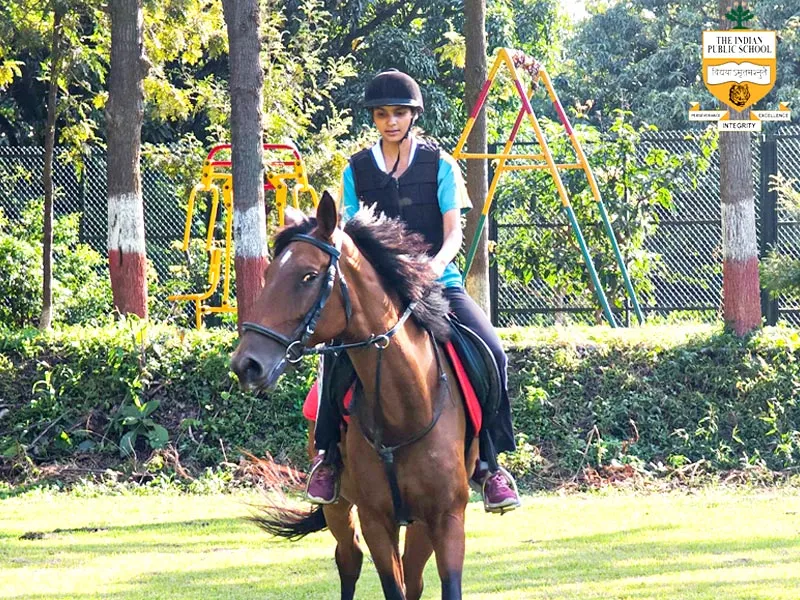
{"points": [[467, 391]]}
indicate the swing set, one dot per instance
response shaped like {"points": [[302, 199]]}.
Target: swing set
{"points": [[283, 165], [516, 61]]}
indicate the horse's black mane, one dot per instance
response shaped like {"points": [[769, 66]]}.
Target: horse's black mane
{"points": [[398, 256]]}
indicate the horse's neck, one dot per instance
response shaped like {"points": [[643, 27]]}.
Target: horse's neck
{"points": [[408, 368], [407, 384]]}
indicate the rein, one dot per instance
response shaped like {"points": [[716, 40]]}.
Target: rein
{"points": [[296, 349]]}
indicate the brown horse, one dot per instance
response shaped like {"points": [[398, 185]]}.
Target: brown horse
{"points": [[369, 287]]}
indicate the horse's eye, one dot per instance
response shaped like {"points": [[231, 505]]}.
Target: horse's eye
{"points": [[309, 277]]}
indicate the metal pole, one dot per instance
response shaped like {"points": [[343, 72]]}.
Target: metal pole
{"points": [[589, 265], [768, 239]]}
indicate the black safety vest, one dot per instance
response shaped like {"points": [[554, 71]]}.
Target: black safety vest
{"points": [[412, 197]]}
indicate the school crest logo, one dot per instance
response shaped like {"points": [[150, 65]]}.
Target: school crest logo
{"points": [[739, 69], [739, 65]]}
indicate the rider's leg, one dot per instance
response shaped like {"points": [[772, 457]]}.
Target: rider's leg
{"points": [[500, 492], [322, 486]]}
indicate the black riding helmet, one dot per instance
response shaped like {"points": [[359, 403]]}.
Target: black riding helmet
{"points": [[393, 88]]}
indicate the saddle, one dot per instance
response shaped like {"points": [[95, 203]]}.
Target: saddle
{"points": [[480, 369], [472, 362]]}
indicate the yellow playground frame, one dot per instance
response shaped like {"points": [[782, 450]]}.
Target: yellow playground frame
{"points": [[515, 61], [215, 175]]}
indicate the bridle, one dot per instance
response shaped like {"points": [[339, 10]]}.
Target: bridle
{"points": [[296, 344]]}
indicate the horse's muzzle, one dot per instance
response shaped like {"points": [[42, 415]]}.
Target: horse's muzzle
{"points": [[255, 373]]}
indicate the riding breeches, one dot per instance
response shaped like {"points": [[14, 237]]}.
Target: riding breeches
{"points": [[498, 426]]}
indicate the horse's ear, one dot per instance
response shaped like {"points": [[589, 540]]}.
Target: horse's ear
{"points": [[327, 217], [293, 216]]}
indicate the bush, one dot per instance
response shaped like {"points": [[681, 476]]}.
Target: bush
{"points": [[660, 395], [654, 398], [77, 390], [81, 288]]}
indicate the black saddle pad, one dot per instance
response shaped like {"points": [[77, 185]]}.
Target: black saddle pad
{"points": [[480, 365]]}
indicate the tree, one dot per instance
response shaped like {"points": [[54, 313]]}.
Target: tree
{"points": [[659, 75], [124, 112], [741, 299], [46, 319], [243, 20], [475, 72]]}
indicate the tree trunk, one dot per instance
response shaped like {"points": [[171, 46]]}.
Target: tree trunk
{"points": [[46, 319], [124, 113], [475, 72], [243, 19], [741, 294]]}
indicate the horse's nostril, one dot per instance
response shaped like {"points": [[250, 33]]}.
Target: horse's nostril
{"points": [[253, 371], [248, 369]]}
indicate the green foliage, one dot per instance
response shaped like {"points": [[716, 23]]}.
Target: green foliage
{"points": [[133, 387], [661, 397], [780, 270], [135, 420], [81, 290], [645, 56], [657, 398]]}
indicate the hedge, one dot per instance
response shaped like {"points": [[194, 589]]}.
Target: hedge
{"points": [[656, 398]]}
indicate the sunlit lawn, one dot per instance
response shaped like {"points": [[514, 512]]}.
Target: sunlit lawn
{"points": [[714, 544]]}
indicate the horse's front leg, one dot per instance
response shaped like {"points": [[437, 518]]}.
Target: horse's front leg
{"points": [[416, 553], [341, 522], [448, 543], [382, 536]]}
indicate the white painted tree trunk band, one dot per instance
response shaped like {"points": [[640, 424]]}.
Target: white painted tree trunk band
{"points": [[126, 224], [250, 232], [739, 231]]}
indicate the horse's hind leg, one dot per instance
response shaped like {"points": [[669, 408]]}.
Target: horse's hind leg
{"points": [[417, 551], [341, 522]]}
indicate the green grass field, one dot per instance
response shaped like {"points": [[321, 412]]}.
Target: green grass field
{"points": [[720, 544]]}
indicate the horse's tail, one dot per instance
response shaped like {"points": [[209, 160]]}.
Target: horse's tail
{"points": [[276, 517], [290, 523]]}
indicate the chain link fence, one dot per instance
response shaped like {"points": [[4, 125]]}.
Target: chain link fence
{"points": [[80, 188], [684, 272]]}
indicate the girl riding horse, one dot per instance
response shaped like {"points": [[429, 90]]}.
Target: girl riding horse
{"points": [[425, 190], [370, 287]]}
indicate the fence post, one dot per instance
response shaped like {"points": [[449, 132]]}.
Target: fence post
{"points": [[493, 274], [769, 218], [82, 198]]}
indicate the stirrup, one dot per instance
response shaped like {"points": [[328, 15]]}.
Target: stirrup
{"points": [[500, 509], [316, 500]]}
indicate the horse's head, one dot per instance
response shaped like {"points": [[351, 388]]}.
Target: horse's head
{"points": [[298, 305]]}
